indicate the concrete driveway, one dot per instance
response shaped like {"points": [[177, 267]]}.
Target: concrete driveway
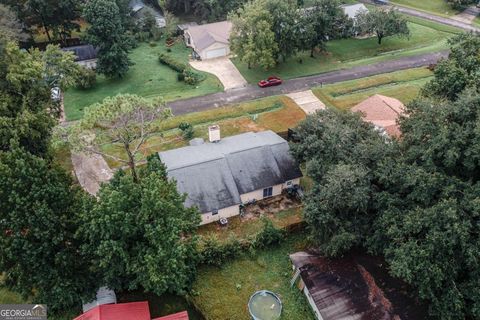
{"points": [[225, 71]]}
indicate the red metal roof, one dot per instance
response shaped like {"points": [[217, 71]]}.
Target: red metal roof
{"points": [[177, 316], [120, 311]]}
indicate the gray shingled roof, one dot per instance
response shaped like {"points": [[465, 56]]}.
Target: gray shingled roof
{"points": [[205, 35], [83, 52], [213, 175]]}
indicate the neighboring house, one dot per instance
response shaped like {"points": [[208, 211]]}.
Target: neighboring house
{"points": [[383, 112], [138, 8], [126, 311], [353, 10], [218, 177], [210, 40], [181, 28], [85, 55], [339, 289]]}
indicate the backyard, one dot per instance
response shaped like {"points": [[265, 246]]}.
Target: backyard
{"points": [[425, 37], [223, 293], [274, 113], [403, 85], [147, 78]]}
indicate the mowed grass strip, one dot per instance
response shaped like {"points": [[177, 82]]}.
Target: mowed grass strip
{"points": [[403, 85], [223, 293], [147, 78], [274, 113], [438, 7], [425, 37]]}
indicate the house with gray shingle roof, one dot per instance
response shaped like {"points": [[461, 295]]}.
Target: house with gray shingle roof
{"points": [[218, 177], [210, 40]]}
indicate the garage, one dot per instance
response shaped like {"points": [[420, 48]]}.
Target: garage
{"points": [[215, 53]]}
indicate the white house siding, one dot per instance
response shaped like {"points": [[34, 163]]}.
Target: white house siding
{"points": [[312, 303], [204, 54], [277, 190], [222, 213], [89, 64]]}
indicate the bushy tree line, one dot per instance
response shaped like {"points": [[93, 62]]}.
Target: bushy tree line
{"points": [[58, 243], [414, 200]]}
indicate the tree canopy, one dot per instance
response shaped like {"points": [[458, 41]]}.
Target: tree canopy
{"points": [[382, 23], [140, 233], [107, 33], [413, 200]]}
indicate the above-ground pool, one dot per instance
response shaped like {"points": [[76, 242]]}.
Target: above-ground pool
{"points": [[264, 305]]}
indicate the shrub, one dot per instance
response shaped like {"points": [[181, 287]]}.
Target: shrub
{"points": [[269, 235], [152, 44], [86, 79], [215, 253], [187, 130], [173, 63], [191, 77], [180, 76], [142, 36]]}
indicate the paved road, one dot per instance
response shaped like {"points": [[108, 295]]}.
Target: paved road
{"points": [[252, 92], [432, 17]]}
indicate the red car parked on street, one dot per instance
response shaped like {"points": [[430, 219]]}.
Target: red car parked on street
{"points": [[271, 81]]}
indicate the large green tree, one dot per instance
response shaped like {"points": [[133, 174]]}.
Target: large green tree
{"points": [[10, 26], [141, 234], [383, 23], [107, 33], [459, 71], [252, 38], [323, 21], [27, 112], [39, 217]]}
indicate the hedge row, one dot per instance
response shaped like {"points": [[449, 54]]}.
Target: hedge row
{"points": [[184, 72], [213, 252]]}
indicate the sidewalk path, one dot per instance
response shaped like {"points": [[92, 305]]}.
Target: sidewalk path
{"points": [[252, 92], [307, 101], [91, 171]]}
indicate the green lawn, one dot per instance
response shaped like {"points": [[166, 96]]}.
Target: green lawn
{"points": [[403, 85], [223, 293], [147, 78], [273, 113], [439, 7], [425, 37], [477, 21]]}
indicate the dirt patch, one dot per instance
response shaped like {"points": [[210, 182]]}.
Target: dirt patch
{"points": [[269, 206], [91, 171]]}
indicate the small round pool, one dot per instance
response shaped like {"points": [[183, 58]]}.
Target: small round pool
{"points": [[265, 305]]}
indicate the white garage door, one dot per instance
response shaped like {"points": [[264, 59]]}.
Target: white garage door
{"points": [[215, 53]]}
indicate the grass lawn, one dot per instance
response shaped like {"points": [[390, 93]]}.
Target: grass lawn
{"points": [[147, 78], [223, 293], [477, 21], [403, 85], [438, 7], [346, 53], [273, 113]]}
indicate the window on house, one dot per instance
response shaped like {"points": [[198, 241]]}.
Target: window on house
{"points": [[214, 212], [267, 192], [289, 183]]}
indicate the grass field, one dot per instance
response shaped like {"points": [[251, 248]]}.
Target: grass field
{"points": [[147, 78], [274, 113], [341, 54], [403, 85], [223, 293], [438, 7], [477, 21]]}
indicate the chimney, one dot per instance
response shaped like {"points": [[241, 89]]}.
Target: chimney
{"points": [[214, 133]]}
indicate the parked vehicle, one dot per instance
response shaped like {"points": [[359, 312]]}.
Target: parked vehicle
{"points": [[271, 81]]}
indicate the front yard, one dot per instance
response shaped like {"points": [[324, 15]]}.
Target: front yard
{"points": [[403, 85], [223, 293], [274, 113], [147, 78], [438, 7], [346, 53]]}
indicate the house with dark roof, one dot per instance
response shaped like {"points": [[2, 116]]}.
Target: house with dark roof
{"points": [[220, 175], [85, 55], [139, 8], [210, 40]]}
